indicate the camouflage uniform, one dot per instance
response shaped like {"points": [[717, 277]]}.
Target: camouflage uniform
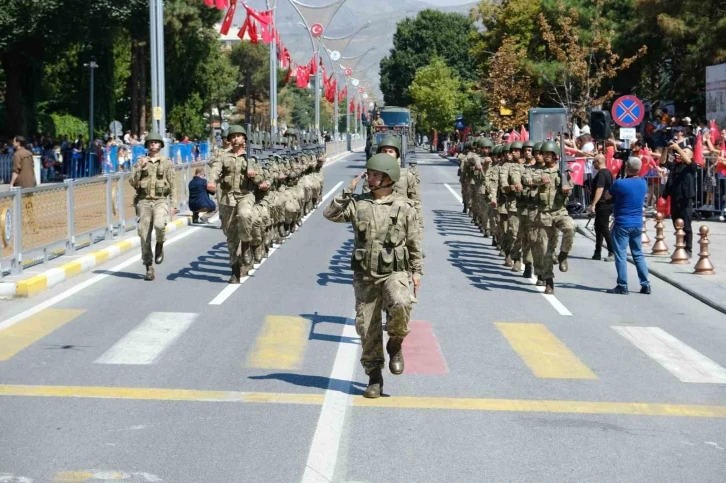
{"points": [[153, 182], [387, 247]]}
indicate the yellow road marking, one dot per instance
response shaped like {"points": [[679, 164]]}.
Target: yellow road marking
{"points": [[21, 335], [72, 476], [431, 403], [543, 353], [281, 343]]}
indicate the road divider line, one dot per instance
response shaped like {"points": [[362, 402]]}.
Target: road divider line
{"points": [[281, 343], [456, 195], [331, 192], [678, 358], [323, 455], [145, 343], [431, 403], [545, 355], [17, 337]]}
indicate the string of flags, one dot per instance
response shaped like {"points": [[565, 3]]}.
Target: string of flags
{"points": [[260, 27]]}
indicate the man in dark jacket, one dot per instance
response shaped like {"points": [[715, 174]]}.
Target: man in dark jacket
{"points": [[681, 186], [199, 198]]}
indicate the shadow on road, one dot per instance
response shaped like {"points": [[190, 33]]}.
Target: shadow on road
{"points": [[339, 269], [319, 382], [317, 319], [213, 266]]}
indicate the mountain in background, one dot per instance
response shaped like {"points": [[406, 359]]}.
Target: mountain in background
{"points": [[383, 16]]}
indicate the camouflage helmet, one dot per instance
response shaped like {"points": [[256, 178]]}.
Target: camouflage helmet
{"points": [[549, 147], [515, 145], [390, 141], [537, 147], [153, 136], [385, 163], [485, 143], [236, 129], [506, 147], [528, 144]]}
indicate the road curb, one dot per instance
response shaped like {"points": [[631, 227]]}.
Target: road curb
{"points": [[39, 283], [668, 279]]}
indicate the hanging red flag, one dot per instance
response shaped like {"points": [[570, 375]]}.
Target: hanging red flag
{"points": [[577, 171], [288, 75], [523, 134], [268, 34], [227, 22], [265, 18], [351, 107], [253, 32], [209, 3], [243, 30], [222, 4], [343, 92], [698, 151], [313, 65]]}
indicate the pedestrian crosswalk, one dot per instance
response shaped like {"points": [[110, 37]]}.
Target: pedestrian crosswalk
{"points": [[283, 344]]}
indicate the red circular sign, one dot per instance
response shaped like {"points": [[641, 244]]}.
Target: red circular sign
{"points": [[628, 111], [316, 30]]}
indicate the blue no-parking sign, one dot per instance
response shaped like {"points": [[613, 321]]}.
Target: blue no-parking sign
{"points": [[628, 111]]}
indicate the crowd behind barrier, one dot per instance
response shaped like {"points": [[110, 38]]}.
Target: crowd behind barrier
{"points": [[94, 162], [95, 202]]}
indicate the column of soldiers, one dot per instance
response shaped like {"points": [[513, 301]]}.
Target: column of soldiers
{"points": [[262, 198], [516, 195]]}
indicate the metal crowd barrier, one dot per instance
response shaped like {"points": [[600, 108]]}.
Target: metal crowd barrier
{"points": [[42, 223]]}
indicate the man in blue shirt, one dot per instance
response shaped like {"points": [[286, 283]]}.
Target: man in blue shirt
{"points": [[628, 195], [199, 199]]}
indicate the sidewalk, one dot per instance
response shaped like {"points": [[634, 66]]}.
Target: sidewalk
{"points": [[709, 289]]}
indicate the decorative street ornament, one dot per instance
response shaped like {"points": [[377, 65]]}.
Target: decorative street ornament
{"points": [[335, 56], [316, 30], [348, 72], [355, 82], [371, 104], [360, 90], [365, 96]]}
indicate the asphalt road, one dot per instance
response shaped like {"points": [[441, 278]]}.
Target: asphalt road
{"points": [[107, 377]]}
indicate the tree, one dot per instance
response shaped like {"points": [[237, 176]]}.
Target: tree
{"points": [[576, 66], [431, 33], [508, 89], [436, 96], [186, 119]]}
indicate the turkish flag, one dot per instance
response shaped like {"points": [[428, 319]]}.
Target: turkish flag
{"points": [[265, 18], [613, 164], [648, 162], [268, 34], [523, 134], [222, 4], [715, 133], [253, 32], [313, 65], [721, 167], [513, 136], [227, 22], [289, 75], [577, 171], [209, 3], [698, 151]]}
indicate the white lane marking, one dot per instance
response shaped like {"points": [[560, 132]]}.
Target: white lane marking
{"points": [[330, 193], [226, 292], [456, 195], [145, 343], [681, 360], [323, 456], [10, 478], [345, 155], [554, 302], [84, 285]]}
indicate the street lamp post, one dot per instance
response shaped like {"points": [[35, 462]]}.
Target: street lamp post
{"points": [[92, 65], [158, 78]]}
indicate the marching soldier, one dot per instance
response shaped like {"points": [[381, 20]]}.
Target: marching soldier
{"points": [[492, 190], [387, 247], [517, 205], [236, 176], [154, 180], [552, 216]]}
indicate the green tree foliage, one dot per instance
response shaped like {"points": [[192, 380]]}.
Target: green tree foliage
{"points": [[431, 33], [436, 95], [60, 125], [186, 119]]}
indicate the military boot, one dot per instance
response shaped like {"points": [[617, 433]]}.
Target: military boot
{"points": [[487, 234], [159, 253], [375, 384], [562, 259], [246, 254], [494, 241], [236, 274], [286, 230], [149, 273], [508, 261], [464, 211], [517, 266], [395, 352], [293, 227], [549, 286], [527, 270], [540, 281], [281, 232], [258, 252]]}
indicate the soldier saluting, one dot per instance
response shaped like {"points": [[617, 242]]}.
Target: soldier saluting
{"points": [[387, 247], [153, 179]]}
